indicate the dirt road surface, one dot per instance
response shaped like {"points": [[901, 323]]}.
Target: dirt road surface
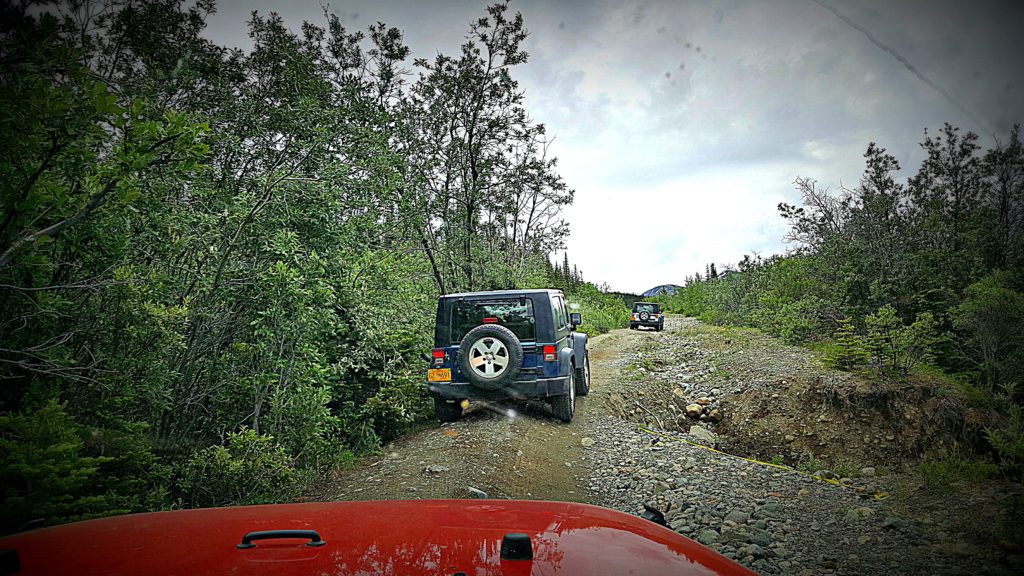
{"points": [[506, 450], [772, 520]]}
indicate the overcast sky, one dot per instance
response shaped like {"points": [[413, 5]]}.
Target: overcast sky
{"points": [[682, 124]]}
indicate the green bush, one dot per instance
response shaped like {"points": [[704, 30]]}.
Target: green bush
{"points": [[600, 311], [992, 320], [793, 322], [849, 349], [1008, 440], [251, 469], [48, 471], [945, 471], [897, 348]]}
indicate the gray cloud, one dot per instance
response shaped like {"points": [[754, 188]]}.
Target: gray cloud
{"points": [[704, 112]]}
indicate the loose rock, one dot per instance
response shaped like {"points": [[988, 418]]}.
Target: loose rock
{"points": [[702, 434]]}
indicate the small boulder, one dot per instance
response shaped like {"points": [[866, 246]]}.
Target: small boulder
{"points": [[587, 442], [702, 434], [435, 469], [760, 537], [752, 550], [703, 400], [867, 471], [707, 537], [715, 415], [738, 516], [854, 514], [475, 493], [694, 410], [678, 393], [895, 523], [735, 535]]}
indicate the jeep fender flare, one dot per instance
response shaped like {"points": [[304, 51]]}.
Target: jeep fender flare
{"points": [[566, 361], [580, 342]]}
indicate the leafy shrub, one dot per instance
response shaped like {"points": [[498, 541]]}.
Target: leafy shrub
{"points": [[897, 348], [793, 322], [601, 312], [992, 319], [849, 349], [251, 469], [48, 472], [1008, 440]]}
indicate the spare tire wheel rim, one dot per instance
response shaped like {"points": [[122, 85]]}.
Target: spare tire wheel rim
{"points": [[488, 357], [644, 316]]}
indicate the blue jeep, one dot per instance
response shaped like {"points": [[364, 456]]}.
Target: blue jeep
{"points": [[507, 344]]}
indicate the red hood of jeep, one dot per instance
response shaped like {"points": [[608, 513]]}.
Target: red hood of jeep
{"points": [[382, 537]]}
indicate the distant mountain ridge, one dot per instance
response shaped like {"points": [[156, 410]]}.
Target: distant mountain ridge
{"points": [[668, 288]]}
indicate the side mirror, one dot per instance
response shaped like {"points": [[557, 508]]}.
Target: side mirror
{"points": [[575, 319]]}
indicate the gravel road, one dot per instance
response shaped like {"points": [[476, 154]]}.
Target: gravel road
{"points": [[772, 520]]}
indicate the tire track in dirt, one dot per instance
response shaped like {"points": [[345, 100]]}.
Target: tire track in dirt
{"points": [[507, 450]]}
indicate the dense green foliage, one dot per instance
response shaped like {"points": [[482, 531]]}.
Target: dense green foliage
{"points": [[219, 267], [890, 276]]}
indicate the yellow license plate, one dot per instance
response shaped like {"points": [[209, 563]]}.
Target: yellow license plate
{"points": [[439, 375]]}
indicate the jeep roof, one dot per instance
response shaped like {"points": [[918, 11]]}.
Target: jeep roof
{"points": [[503, 293]]}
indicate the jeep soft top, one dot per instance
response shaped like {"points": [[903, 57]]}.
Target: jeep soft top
{"points": [[507, 344]]}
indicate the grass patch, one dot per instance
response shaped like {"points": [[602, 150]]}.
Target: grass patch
{"points": [[721, 333], [847, 470], [809, 465], [944, 472]]}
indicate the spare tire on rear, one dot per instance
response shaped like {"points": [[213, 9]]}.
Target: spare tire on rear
{"points": [[490, 356]]}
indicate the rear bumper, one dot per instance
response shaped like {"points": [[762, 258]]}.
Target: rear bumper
{"points": [[539, 388], [648, 323]]}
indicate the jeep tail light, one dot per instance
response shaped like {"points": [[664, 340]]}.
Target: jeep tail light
{"points": [[549, 353], [438, 353]]}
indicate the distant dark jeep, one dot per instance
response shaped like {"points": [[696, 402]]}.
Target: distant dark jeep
{"points": [[507, 344], [647, 314]]}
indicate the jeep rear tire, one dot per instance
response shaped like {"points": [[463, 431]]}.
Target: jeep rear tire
{"points": [[447, 411], [583, 377], [490, 356], [564, 406]]}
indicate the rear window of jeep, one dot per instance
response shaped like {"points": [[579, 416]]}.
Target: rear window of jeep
{"points": [[516, 314], [652, 308]]}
